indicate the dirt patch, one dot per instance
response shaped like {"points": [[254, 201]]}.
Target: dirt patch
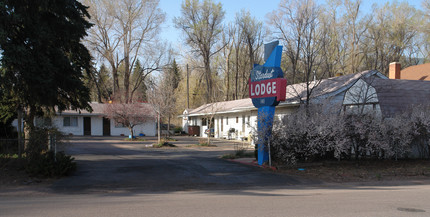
{"points": [[12, 174], [362, 171]]}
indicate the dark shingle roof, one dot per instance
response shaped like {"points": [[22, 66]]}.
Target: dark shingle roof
{"points": [[397, 96]]}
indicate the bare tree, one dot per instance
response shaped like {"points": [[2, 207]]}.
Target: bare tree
{"points": [[297, 24], [202, 24], [394, 36], [129, 115], [162, 98], [333, 58], [122, 31], [228, 39], [252, 36], [355, 31], [288, 25]]}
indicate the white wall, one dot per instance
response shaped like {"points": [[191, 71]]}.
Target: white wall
{"points": [[244, 122], [185, 122], [57, 122], [96, 126], [149, 129]]}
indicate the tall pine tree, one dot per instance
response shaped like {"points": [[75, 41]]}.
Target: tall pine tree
{"points": [[42, 55]]}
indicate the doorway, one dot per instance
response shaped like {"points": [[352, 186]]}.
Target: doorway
{"points": [[106, 127], [87, 126]]}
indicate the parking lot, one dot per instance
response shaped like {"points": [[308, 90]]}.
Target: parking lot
{"points": [[112, 164]]}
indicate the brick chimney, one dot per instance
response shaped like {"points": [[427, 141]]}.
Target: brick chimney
{"points": [[394, 70]]}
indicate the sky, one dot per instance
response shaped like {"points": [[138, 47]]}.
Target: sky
{"points": [[258, 8]]}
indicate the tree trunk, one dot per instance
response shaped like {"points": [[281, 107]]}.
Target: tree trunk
{"points": [[114, 79], [168, 126], [126, 88], [228, 75], [29, 127], [236, 74], [209, 122], [208, 78], [131, 132], [19, 132]]}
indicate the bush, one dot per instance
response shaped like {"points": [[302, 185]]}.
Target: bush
{"points": [[310, 135], [50, 165], [204, 142], [39, 140], [177, 130], [41, 160], [163, 143]]}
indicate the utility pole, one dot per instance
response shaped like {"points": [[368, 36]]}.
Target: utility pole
{"points": [[188, 89]]}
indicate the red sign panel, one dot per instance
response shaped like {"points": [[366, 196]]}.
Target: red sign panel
{"points": [[276, 87]]}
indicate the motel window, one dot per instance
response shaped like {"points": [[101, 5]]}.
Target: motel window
{"points": [[226, 121], [222, 124], [70, 121], [119, 125], [204, 121], [237, 120]]}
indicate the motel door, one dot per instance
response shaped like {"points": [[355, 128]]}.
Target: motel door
{"points": [[87, 126], [106, 127]]}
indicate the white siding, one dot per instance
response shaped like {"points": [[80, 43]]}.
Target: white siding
{"points": [[244, 123], [96, 126], [149, 129], [185, 122], [74, 130]]}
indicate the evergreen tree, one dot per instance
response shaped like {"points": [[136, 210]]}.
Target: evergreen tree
{"points": [[139, 88], [42, 55], [174, 75]]}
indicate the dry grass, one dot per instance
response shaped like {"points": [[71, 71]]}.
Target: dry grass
{"points": [[351, 171]]}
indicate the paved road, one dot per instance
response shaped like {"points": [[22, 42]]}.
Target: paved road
{"points": [[128, 179], [353, 201]]}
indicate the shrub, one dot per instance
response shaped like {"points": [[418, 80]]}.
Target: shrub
{"points": [[310, 134], [204, 142], [41, 159], [177, 130], [163, 143], [39, 140], [50, 165]]}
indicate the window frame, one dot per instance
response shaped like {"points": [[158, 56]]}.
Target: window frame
{"points": [[70, 122]]}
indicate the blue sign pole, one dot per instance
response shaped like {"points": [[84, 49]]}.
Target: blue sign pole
{"points": [[264, 127], [267, 88]]}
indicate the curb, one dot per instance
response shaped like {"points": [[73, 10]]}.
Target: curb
{"points": [[252, 163]]}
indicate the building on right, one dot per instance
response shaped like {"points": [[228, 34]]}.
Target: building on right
{"points": [[419, 72]]}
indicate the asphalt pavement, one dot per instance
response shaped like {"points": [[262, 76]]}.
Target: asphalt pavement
{"points": [[120, 178], [108, 164]]}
